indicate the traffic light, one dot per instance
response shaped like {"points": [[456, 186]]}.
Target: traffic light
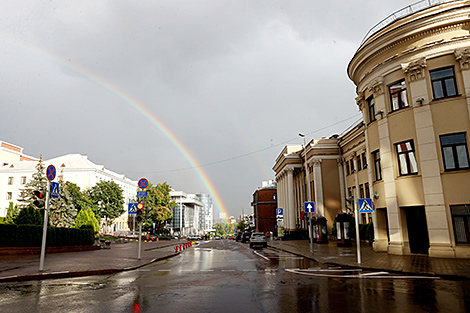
{"points": [[140, 207], [40, 201]]}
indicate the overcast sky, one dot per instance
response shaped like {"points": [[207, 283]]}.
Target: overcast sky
{"points": [[232, 81]]}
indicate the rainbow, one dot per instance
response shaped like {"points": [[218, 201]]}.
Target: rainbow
{"points": [[140, 109]]}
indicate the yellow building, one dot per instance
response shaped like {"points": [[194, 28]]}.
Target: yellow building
{"points": [[325, 186], [412, 74]]}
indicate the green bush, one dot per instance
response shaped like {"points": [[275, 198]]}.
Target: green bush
{"points": [[31, 236], [30, 216]]}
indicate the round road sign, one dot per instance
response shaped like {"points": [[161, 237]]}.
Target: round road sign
{"points": [[143, 183], [50, 173]]}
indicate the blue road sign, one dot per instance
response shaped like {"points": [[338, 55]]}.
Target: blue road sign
{"points": [[50, 173], [143, 183], [141, 194], [132, 208], [365, 205], [55, 190], [309, 207], [279, 211]]}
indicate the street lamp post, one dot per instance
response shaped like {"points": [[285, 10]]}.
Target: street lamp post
{"points": [[308, 194]]}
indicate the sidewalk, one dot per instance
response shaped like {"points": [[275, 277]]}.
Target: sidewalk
{"points": [[120, 257], [347, 256]]}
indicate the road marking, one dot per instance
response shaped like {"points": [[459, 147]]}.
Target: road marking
{"points": [[260, 255], [164, 270], [228, 270], [362, 276], [250, 260], [207, 270], [249, 270]]}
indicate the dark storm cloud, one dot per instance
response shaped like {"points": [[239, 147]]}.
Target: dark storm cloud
{"points": [[226, 77]]}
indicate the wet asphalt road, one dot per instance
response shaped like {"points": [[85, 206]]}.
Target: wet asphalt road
{"points": [[226, 276]]}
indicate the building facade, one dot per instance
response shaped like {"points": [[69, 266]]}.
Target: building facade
{"points": [[264, 207], [206, 212], [322, 159], [185, 214], [74, 168], [413, 84]]}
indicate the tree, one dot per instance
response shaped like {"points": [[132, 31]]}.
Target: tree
{"points": [[37, 182], [12, 212], [62, 210], [30, 216], [107, 200], [222, 229], [80, 200], [158, 205], [87, 217], [243, 225]]}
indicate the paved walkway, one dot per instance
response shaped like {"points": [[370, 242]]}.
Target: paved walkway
{"points": [[123, 257], [120, 257], [347, 256]]}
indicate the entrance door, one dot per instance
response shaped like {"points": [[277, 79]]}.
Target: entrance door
{"points": [[417, 229]]}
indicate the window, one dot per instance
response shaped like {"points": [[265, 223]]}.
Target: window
{"points": [[23, 180], [361, 191], [10, 180], [366, 187], [364, 160], [443, 83], [406, 158], [377, 167], [9, 195], [454, 151], [347, 168], [371, 109], [359, 163], [398, 96], [461, 221], [352, 165], [349, 192]]}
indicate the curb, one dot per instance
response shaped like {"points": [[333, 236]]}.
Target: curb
{"points": [[68, 274]]}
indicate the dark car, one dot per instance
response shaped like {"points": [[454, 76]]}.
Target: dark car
{"points": [[238, 237], [246, 236]]}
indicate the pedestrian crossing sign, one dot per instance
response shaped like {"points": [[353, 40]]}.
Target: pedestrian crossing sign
{"points": [[132, 208], [365, 205]]}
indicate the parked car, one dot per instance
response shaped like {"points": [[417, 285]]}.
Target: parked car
{"points": [[258, 240], [193, 238], [238, 237], [246, 236]]}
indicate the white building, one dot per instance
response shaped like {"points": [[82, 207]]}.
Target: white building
{"points": [[206, 212], [75, 168]]}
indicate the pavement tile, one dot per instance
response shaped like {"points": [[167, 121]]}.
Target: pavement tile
{"points": [[347, 256]]}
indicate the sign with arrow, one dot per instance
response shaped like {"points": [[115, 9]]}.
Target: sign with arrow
{"points": [[309, 207], [365, 205]]}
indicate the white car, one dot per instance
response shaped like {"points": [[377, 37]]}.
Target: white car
{"points": [[258, 240]]}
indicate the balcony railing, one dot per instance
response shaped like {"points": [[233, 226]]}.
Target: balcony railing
{"points": [[412, 8]]}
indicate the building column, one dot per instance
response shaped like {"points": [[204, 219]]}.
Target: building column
{"points": [[342, 185], [291, 203], [436, 214], [396, 245], [318, 187]]}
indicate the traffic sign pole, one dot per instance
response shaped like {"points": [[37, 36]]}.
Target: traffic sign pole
{"points": [[44, 230], [358, 238], [140, 240]]}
